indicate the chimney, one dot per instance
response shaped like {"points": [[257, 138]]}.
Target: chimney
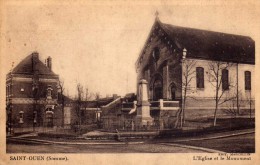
{"points": [[49, 63], [35, 58], [35, 55]]}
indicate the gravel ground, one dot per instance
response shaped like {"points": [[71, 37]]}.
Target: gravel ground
{"points": [[140, 148]]}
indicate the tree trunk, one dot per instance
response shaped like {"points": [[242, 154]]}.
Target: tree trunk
{"points": [[181, 119], [216, 100], [178, 118], [216, 106], [238, 106], [215, 116], [62, 119]]}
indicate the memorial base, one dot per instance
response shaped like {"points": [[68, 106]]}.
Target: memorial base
{"points": [[143, 122]]}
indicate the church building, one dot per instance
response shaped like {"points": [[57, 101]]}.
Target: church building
{"points": [[195, 68]]}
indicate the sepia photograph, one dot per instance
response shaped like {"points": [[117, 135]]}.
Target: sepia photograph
{"points": [[122, 77]]}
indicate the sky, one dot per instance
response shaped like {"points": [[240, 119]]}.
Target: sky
{"points": [[96, 44]]}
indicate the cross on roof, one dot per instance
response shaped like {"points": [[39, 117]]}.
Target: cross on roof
{"points": [[156, 14]]}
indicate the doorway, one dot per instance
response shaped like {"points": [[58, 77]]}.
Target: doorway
{"points": [[49, 118], [173, 91], [157, 89]]}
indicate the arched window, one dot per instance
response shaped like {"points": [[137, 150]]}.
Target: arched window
{"points": [[21, 117], [200, 77], [224, 78], [49, 92], [247, 80]]}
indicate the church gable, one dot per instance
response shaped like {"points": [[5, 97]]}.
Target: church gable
{"points": [[157, 49]]}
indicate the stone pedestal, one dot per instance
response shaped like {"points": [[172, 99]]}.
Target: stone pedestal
{"points": [[143, 118]]}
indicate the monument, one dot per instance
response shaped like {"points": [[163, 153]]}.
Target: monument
{"points": [[143, 118]]}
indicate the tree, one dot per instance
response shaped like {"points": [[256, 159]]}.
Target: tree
{"points": [[188, 73], [61, 88], [249, 101], [79, 99], [88, 95], [216, 79], [97, 96], [234, 104]]}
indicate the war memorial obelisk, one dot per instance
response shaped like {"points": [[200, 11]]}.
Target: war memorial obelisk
{"points": [[143, 118]]}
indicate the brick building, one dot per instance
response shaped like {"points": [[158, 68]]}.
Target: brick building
{"points": [[32, 94]]}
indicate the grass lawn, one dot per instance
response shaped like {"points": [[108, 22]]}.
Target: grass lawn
{"points": [[236, 144]]}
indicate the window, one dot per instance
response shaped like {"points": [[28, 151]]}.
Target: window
{"points": [[49, 92], [200, 77], [247, 80], [224, 78], [8, 90], [21, 117]]}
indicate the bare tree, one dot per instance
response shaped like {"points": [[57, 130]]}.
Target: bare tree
{"points": [[250, 102], [234, 104], [88, 95], [97, 96], [188, 73], [79, 99], [215, 78], [238, 97], [62, 89]]}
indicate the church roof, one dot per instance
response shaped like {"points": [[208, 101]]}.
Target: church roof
{"points": [[211, 45], [30, 64], [205, 44]]}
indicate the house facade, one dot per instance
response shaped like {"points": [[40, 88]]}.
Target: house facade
{"points": [[31, 95], [191, 67]]}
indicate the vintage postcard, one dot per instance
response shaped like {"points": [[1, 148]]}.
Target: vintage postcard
{"points": [[127, 82]]}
